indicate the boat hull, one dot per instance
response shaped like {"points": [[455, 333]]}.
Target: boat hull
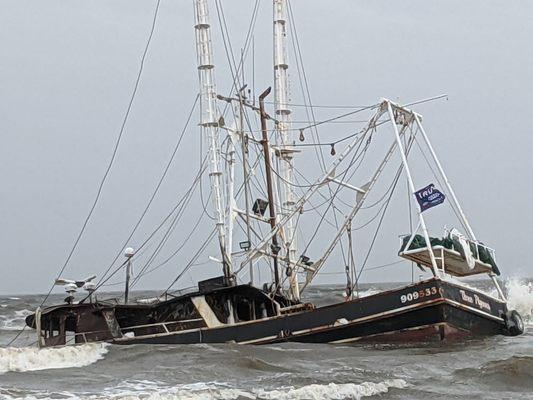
{"points": [[426, 311]]}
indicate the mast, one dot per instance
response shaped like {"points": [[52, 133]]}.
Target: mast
{"points": [[268, 171], [209, 122], [285, 149]]}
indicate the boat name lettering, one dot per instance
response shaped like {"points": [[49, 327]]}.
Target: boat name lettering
{"points": [[475, 300], [465, 297], [481, 303], [419, 294]]}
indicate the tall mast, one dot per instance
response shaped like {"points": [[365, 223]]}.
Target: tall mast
{"points": [[285, 149], [209, 121], [270, 190]]}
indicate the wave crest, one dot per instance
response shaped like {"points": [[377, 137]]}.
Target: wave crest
{"points": [[215, 391], [335, 391], [22, 359], [520, 298]]}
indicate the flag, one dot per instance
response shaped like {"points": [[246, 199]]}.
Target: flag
{"points": [[428, 197]]}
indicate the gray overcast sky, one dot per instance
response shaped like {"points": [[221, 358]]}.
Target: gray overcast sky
{"points": [[67, 70]]}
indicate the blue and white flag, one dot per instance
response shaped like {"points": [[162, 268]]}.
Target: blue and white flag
{"points": [[429, 197]]}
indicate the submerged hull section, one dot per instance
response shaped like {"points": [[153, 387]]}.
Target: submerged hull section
{"points": [[432, 310]]}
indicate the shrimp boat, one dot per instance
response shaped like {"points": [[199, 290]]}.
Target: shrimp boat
{"points": [[292, 229]]}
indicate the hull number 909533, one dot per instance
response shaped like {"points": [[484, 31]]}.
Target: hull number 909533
{"points": [[419, 294]]}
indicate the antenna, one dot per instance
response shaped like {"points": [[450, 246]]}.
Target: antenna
{"points": [[72, 286]]}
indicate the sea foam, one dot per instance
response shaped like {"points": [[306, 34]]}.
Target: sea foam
{"points": [[335, 391], [520, 298], [32, 359], [331, 391]]}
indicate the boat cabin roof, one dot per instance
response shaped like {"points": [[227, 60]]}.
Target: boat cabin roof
{"points": [[62, 309]]}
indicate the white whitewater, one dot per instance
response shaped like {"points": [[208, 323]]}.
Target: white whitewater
{"points": [[334, 391], [213, 391], [22, 359], [146, 390], [520, 298]]}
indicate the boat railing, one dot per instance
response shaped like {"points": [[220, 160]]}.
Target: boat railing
{"points": [[84, 336], [162, 323], [477, 245], [451, 260], [138, 330], [297, 308], [163, 327]]}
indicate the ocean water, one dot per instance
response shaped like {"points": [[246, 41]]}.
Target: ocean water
{"points": [[491, 368]]}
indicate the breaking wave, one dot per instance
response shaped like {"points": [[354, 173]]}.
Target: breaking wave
{"points": [[334, 391], [145, 390], [331, 391], [520, 298], [32, 359]]}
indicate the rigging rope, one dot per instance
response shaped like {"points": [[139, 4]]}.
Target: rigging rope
{"points": [[192, 260], [180, 247], [310, 112], [329, 106], [109, 165], [156, 190], [147, 240], [354, 159], [338, 117], [396, 179], [187, 198], [234, 69], [443, 187]]}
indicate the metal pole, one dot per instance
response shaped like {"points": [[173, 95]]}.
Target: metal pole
{"points": [[231, 195], [128, 277], [454, 197], [412, 187], [268, 168], [40, 341], [209, 122], [244, 147]]}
